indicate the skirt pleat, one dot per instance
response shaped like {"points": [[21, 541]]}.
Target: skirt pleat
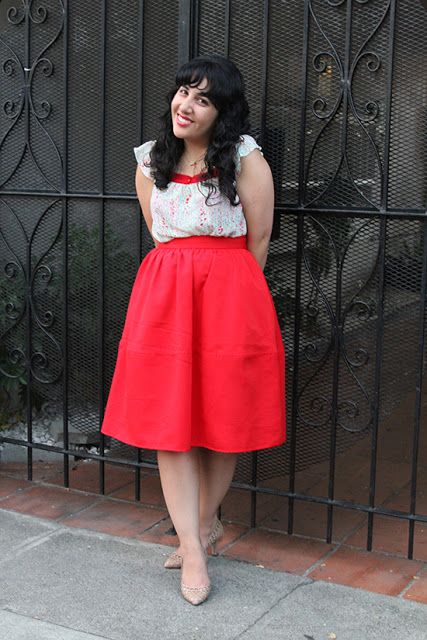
{"points": [[201, 359]]}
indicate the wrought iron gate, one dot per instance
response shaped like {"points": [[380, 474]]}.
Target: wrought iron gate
{"points": [[338, 95]]}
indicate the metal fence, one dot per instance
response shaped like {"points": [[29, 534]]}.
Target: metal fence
{"points": [[338, 96]]}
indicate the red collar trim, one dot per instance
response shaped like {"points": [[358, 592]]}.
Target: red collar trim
{"points": [[184, 179]]}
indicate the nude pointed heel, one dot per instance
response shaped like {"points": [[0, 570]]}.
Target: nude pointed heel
{"points": [[175, 560], [215, 536]]}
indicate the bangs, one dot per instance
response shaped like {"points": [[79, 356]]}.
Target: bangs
{"points": [[194, 73]]}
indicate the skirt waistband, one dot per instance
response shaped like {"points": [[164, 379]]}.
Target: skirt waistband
{"points": [[204, 242]]}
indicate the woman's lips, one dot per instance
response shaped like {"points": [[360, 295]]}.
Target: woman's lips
{"points": [[182, 120]]}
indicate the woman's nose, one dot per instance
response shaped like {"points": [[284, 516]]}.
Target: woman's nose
{"points": [[186, 104]]}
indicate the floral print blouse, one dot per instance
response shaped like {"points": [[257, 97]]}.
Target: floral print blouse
{"points": [[181, 211]]}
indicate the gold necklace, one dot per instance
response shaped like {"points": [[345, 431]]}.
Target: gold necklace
{"points": [[193, 164]]}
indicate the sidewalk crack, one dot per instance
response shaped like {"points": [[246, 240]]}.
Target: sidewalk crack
{"points": [[29, 544], [46, 624], [255, 622]]}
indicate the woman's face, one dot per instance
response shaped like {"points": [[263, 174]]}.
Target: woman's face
{"points": [[193, 114]]}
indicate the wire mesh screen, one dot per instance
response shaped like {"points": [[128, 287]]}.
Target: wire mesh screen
{"points": [[407, 181], [337, 91], [85, 88]]}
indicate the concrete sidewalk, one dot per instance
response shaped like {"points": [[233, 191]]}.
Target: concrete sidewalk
{"points": [[63, 583]]}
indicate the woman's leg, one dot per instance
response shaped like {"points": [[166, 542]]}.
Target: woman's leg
{"points": [[180, 477], [216, 474]]}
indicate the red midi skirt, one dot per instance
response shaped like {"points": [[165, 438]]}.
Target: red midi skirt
{"points": [[201, 360]]}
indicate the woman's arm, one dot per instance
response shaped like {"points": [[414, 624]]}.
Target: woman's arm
{"points": [[144, 188], [256, 192]]}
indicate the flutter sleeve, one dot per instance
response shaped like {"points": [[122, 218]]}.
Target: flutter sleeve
{"points": [[142, 155], [246, 145]]}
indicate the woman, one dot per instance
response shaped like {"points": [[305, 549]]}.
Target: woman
{"points": [[200, 370]]}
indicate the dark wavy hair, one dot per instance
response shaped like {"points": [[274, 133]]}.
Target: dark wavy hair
{"points": [[226, 90]]}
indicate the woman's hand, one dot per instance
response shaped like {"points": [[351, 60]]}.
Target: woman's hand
{"points": [[256, 192], [144, 189]]}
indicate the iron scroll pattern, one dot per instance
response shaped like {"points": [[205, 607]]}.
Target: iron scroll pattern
{"points": [[33, 270], [22, 107], [28, 254], [339, 318], [344, 152], [354, 152]]}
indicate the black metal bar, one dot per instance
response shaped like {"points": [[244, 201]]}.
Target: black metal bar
{"points": [[254, 482], [77, 453], [346, 78], [352, 506], [352, 212], [28, 315], [27, 294], [391, 42], [27, 50], [141, 71], [303, 128], [28, 319], [227, 28], [139, 216], [141, 135], [334, 403], [64, 188], [138, 476], [418, 393], [65, 377], [101, 346], [295, 381], [381, 276], [300, 240], [279, 208], [338, 296], [264, 79], [87, 195], [378, 368], [195, 29], [184, 31]]}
